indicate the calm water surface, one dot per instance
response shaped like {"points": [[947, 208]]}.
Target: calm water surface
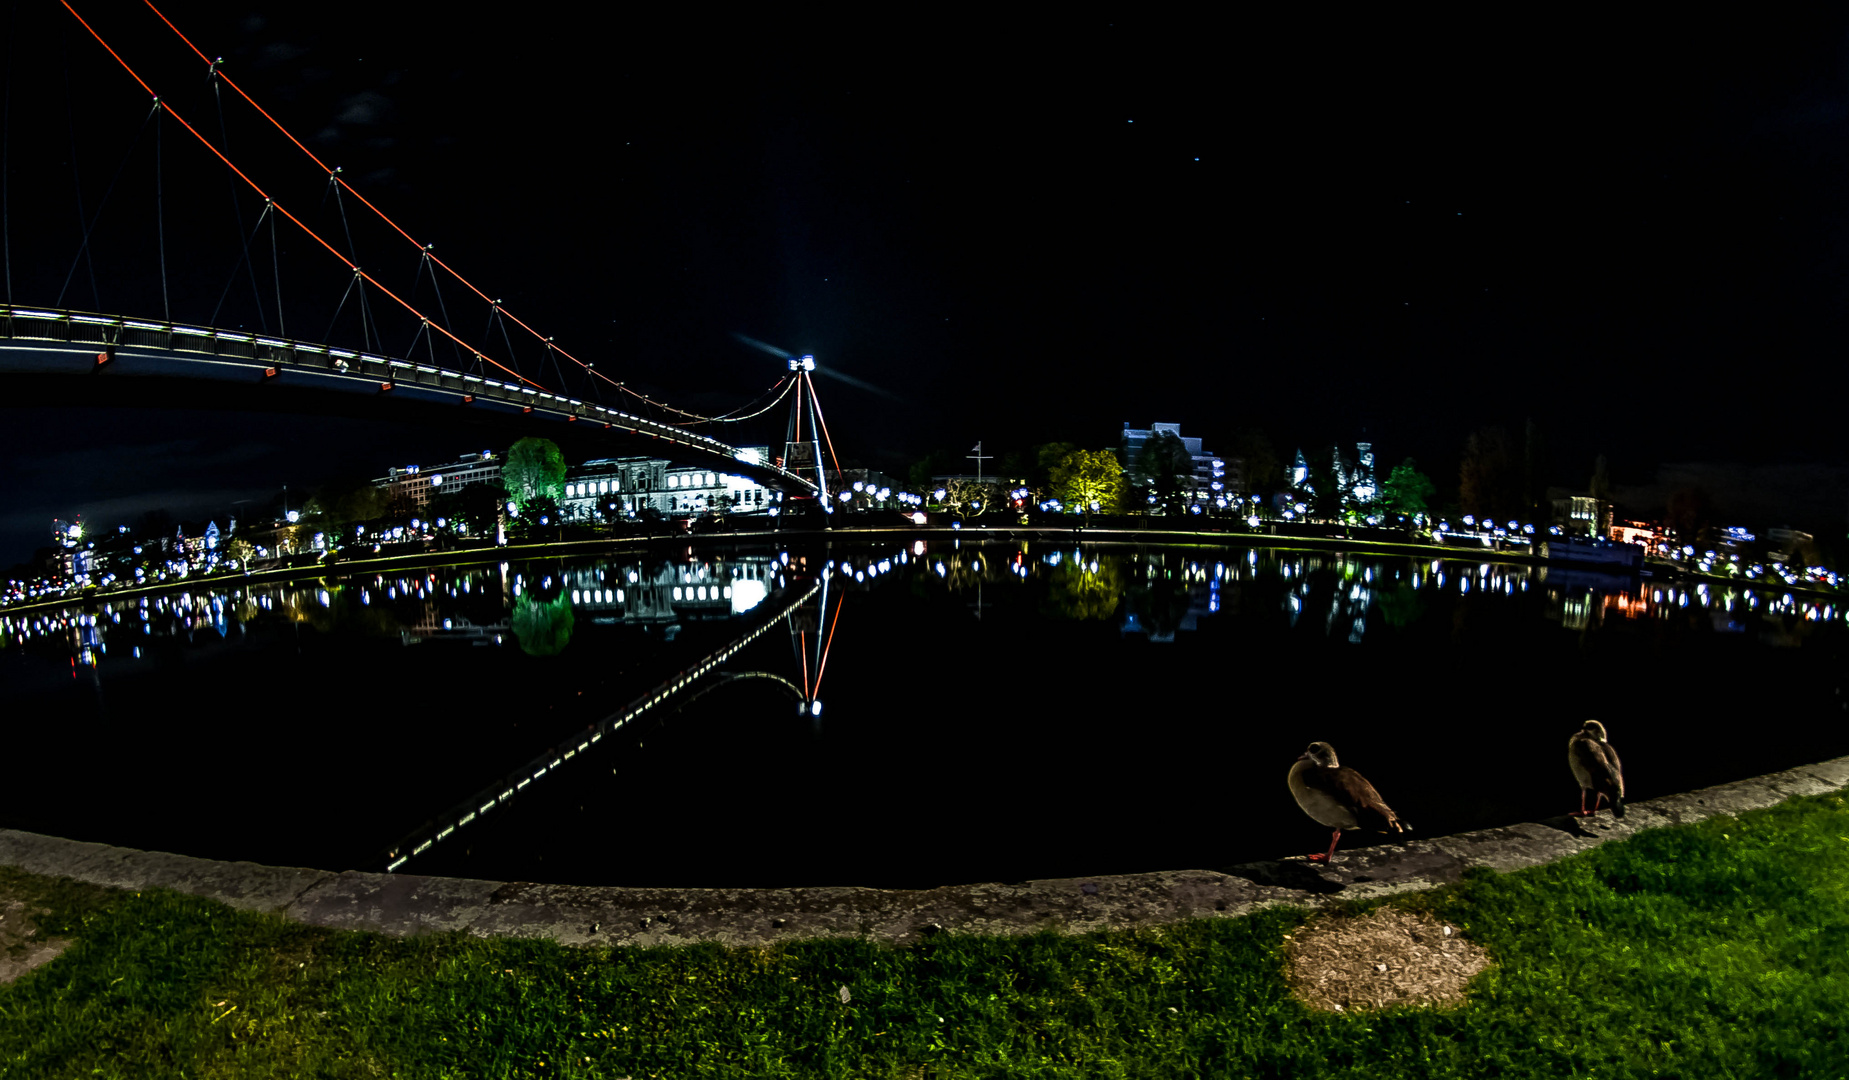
{"points": [[901, 714]]}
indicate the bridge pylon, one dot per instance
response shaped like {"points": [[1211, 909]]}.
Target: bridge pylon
{"points": [[806, 434]]}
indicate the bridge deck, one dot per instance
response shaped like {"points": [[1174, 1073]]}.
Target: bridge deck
{"points": [[77, 343]]}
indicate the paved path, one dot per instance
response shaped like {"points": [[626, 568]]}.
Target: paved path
{"points": [[581, 915]]}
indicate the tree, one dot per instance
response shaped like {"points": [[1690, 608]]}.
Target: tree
{"points": [[1690, 511], [1258, 460], [1167, 469], [1534, 454], [1077, 591], [471, 509], [539, 518], [1047, 457], [937, 463], [1407, 490], [241, 551], [342, 502], [1486, 477], [1083, 477], [968, 498], [542, 627], [1324, 491], [534, 468]]}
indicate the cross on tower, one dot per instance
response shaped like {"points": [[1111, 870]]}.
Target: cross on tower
{"points": [[980, 458]]}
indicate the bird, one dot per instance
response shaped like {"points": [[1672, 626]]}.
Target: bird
{"points": [[1597, 768], [1338, 797]]}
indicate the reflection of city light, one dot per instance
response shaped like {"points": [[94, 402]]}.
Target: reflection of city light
{"points": [[747, 593]]}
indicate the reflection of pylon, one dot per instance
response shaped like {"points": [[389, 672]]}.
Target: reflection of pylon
{"points": [[811, 645]]}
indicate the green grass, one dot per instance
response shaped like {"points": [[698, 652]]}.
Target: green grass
{"points": [[1708, 951]]}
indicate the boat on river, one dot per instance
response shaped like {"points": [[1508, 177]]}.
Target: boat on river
{"points": [[1603, 555]]}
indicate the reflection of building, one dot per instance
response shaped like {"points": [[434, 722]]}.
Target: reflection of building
{"points": [[668, 593], [431, 624], [413, 485], [1576, 608]]}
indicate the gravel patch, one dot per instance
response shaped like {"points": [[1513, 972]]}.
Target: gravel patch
{"points": [[1385, 958]]}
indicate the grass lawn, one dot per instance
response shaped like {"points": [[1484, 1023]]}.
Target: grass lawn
{"points": [[1707, 951]]}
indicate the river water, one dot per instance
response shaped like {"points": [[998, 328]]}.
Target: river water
{"points": [[903, 713]]}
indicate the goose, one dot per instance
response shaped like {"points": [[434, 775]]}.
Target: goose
{"points": [[1597, 768], [1338, 797]]}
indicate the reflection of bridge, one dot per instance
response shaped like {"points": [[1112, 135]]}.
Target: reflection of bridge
{"points": [[137, 359], [684, 686]]}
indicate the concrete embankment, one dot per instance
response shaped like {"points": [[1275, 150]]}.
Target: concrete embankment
{"points": [[582, 915]]}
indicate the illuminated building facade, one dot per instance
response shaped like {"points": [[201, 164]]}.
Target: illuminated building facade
{"points": [[1581, 515], [613, 487], [1653, 538], [1213, 476], [69, 559], [1364, 488], [412, 485], [629, 486]]}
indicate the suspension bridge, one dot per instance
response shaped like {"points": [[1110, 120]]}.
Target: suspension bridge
{"points": [[83, 357]]}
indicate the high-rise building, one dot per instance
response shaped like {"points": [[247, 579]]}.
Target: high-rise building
{"points": [[1214, 476]]}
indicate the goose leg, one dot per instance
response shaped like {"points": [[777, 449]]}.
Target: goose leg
{"points": [[1325, 856], [1582, 804]]}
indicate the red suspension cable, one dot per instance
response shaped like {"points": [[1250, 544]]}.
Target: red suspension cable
{"points": [[817, 402], [334, 175], [332, 250], [822, 666], [466, 283]]}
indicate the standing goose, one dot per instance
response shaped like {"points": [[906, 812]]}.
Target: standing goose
{"points": [[1597, 768], [1338, 797]]}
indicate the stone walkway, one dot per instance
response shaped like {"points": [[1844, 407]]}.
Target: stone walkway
{"points": [[581, 915]]}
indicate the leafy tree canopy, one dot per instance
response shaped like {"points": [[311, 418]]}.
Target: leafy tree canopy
{"points": [[472, 508], [1263, 472], [543, 628], [534, 468], [1082, 477], [343, 502], [1047, 457], [1407, 490], [937, 463], [1077, 591]]}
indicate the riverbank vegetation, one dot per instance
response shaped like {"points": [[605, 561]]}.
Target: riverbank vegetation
{"points": [[1716, 950]]}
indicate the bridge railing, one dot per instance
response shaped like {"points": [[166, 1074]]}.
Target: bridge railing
{"points": [[272, 355]]}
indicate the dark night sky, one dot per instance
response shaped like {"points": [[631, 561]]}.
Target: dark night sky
{"points": [[1020, 228]]}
